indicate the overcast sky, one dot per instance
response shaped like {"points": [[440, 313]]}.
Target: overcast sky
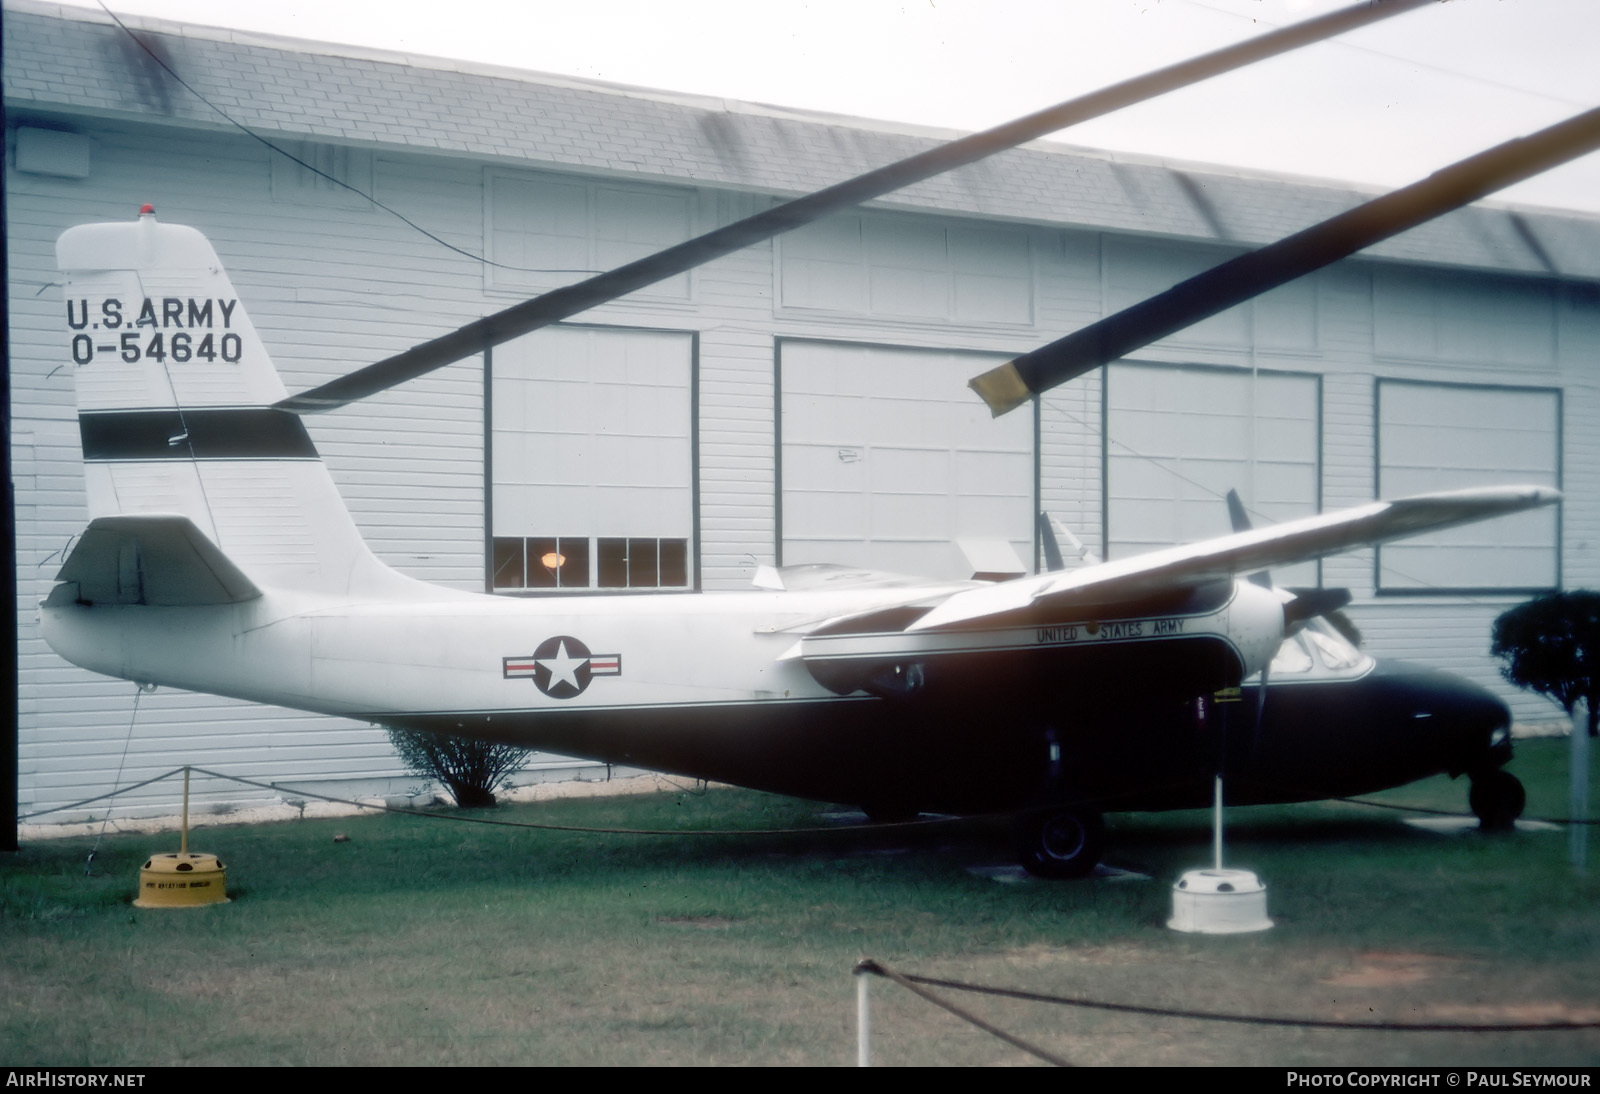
{"points": [[1383, 106]]}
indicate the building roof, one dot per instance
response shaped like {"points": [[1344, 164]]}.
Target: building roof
{"points": [[70, 61]]}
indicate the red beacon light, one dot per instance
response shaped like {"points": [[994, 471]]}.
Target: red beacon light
{"points": [[147, 210]]}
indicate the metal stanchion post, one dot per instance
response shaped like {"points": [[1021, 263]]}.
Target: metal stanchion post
{"points": [[1578, 810], [863, 1022]]}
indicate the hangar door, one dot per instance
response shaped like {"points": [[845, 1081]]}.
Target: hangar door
{"points": [[1434, 436], [888, 459], [1179, 438], [592, 461]]}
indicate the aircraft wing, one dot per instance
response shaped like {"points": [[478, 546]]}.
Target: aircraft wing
{"points": [[1259, 548], [162, 561]]}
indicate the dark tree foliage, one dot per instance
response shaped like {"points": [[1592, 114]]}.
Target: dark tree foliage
{"points": [[472, 769], [1551, 645]]}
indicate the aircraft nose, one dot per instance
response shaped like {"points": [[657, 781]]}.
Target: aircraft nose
{"points": [[1470, 723]]}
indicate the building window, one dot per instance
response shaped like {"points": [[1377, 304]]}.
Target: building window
{"points": [[636, 563], [315, 179], [591, 473], [1280, 320], [1475, 320], [546, 231], [1434, 437], [893, 267], [541, 562], [1178, 438], [523, 563]]}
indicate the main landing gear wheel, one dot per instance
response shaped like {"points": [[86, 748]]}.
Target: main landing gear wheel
{"points": [[1064, 844], [1497, 798]]}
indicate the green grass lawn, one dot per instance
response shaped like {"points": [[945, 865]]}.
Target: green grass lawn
{"points": [[422, 941]]}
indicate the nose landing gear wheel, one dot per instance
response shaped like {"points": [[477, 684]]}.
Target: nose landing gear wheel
{"points": [[1497, 798], [1063, 844]]}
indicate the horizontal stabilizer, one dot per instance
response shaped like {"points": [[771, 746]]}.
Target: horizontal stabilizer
{"points": [[155, 560], [812, 576], [991, 559]]}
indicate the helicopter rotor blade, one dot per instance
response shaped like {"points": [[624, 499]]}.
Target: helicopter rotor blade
{"points": [[570, 300], [1010, 385]]}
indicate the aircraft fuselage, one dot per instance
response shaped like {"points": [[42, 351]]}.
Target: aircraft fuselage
{"points": [[746, 688]]}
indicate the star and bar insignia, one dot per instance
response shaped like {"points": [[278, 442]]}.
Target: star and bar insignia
{"points": [[563, 666]]}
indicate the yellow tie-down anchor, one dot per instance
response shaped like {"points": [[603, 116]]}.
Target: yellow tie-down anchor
{"points": [[185, 879]]}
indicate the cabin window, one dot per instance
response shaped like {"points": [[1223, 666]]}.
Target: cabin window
{"points": [[590, 470], [1433, 437]]}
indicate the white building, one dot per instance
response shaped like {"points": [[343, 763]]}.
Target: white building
{"points": [[801, 400]]}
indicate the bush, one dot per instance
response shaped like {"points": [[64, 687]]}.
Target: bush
{"points": [[472, 769], [1551, 645]]}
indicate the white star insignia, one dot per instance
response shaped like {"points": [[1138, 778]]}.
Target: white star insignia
{"points": [[562, 667]]}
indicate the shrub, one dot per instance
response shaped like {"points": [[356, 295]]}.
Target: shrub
{"points": [[472, 769], [1551, 645]]}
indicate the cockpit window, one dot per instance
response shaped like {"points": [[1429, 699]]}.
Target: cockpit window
{"points": [[1335, 652], [1291, 657]]}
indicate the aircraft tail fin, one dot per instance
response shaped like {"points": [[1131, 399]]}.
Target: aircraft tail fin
{"points": [[175, 393]]}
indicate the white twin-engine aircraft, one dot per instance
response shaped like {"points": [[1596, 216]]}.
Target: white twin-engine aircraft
{"points": [[220, 558]]}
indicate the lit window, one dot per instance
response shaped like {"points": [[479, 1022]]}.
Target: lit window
{"points": [[562, 562]]}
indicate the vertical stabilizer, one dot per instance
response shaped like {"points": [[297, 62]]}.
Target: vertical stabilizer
{"points": [[175, 394]]}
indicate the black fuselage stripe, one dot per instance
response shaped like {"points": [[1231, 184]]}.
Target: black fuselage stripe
{"points": [[231, 433]]}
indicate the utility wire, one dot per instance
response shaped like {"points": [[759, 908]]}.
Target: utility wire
{"points": [[253, 135], [1442, 70]]}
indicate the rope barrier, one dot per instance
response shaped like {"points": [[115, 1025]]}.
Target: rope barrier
{"points": [[1239, 1019], [868, 966], [919, 985]]}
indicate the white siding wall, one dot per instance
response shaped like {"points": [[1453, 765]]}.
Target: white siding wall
{"points": [[888, 460], [1359, 322], [332, 285]]}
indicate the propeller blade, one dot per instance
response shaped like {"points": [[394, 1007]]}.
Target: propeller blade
{"points": [[1052, 550], [1261, 708], [570, 300], [1341, 622], [1310, 603], [1241, 523], [1014, 383], [1236, 514]]}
